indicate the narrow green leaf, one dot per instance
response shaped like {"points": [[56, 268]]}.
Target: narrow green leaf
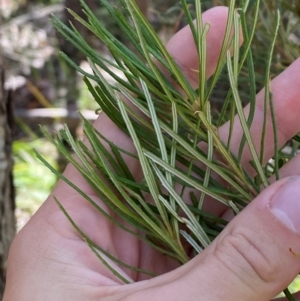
{"points": [[244, 123]]}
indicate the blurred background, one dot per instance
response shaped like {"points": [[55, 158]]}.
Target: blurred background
{"points": [[44, 90], [41, 89]]}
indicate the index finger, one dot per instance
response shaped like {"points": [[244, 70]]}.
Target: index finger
{"points": [[286, 90]]}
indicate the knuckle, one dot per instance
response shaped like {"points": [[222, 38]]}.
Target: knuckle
{"points": [[244, 252]]}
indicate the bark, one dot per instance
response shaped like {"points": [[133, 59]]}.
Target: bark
{"points": [[7, 206]]}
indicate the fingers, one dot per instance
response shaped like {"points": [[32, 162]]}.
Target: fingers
{"points": [[286, 91], [254, 258], [182, 46]]}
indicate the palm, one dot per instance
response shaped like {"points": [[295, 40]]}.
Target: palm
{"points": [[71, 260]]}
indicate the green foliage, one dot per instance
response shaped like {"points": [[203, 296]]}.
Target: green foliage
{"points": [[32, 179], [171, 130]]}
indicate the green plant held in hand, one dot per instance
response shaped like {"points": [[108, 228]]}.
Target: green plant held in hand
{"points": [[184, 162]]}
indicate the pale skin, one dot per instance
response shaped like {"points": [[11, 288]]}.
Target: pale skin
{"points": [[249, 261]]}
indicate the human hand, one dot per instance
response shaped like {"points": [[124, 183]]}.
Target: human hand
{"points": [[250, 260]]}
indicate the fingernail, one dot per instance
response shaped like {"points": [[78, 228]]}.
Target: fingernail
{"points": [[285, 204]]}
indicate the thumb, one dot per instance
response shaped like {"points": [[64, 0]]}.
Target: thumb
{"points": [[251, 260], [253, 257]]}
